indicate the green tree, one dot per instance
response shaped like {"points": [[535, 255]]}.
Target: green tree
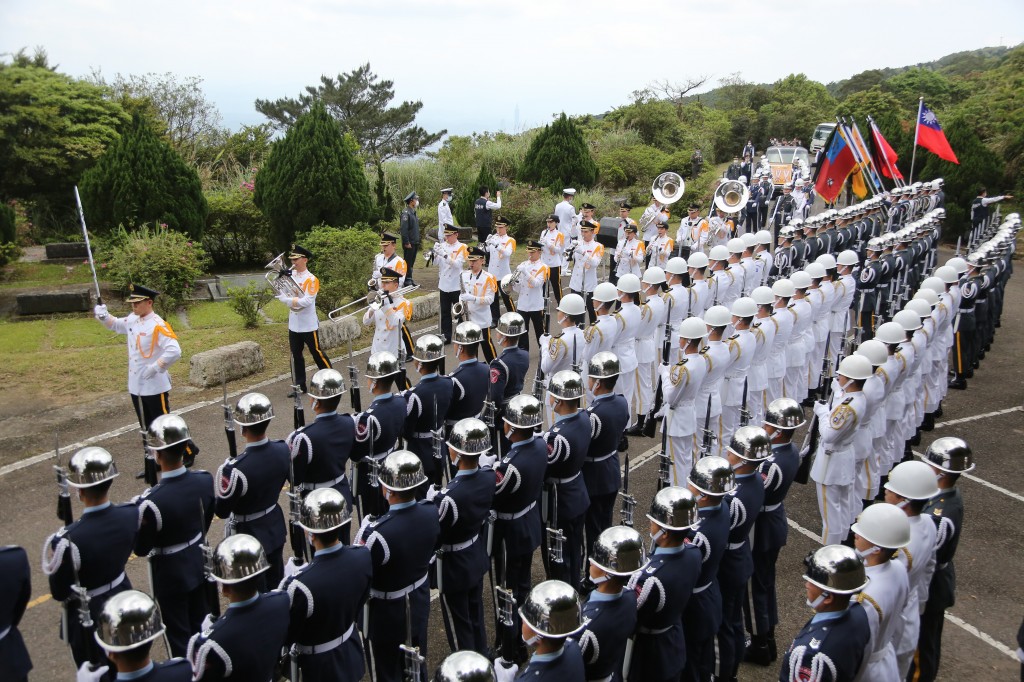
{"points": [[656, 121], [466, 197], [141, 179], [939, 92], [312, 176], [798, 105], [559, 157]]}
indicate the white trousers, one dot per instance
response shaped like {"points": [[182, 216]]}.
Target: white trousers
{"points": [[834, 505], [645, 392], [681, 450], [627, 386]]}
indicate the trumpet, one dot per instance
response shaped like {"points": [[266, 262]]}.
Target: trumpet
{"points": [[280, 278], [374, 300]]}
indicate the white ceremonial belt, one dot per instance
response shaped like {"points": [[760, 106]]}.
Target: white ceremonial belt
{"points": [[507, 516], [564, 480], [653, 631], [307, 649], [322, 484], [771, 507], [737, 545], [245, 518], [103, 589], [423, 435], [379, 457], [398, 594], [5, 632], [593, 460], [459, 546], [698, 590], [174, 549]]}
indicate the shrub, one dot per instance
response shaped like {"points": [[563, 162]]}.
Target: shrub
{"points": [[342, 260], [463, 210], [237, 232], [630, 165], [248, 301], [9, 253], [559, 157], [8, 224], [156, 257]]}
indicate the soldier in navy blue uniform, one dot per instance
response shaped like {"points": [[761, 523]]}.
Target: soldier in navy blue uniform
{"points": [[463, 508], [174, 516], [427, 404], [378, 429], [248, 487], [965, 328], [747, 447], [517, 528], [245, 643], [869, 281], [831, 645], [567, 500], [125, 630], [782, 418], [610, 611], [664, 587], [710, 481], [609, 416], [320, 451], [470, 380], [91, 553], [15, 591], [508, 370], [324, 642], [402, 543], [550, 615]]}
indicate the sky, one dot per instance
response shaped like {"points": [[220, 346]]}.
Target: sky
{"points": [[479, 66]]}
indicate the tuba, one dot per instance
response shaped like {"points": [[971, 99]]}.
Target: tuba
{"points": [[280, 278], [668, 188], [731, 196]]}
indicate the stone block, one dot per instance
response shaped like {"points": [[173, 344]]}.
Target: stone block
{"points": [[66, 250], [335, 333], [48, 302], [425, 307], [234, 361]]}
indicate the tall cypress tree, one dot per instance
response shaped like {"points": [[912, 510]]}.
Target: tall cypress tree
{"points": [[559, 157], [141, 179], [312, 176], [465, 200]]}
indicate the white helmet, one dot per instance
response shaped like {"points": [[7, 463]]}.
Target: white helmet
{"points": [[908, 320], [676, 265], [928, 295], [874, 350], [698, 260], [783, 288], [629, 284], [735, 246], [604, 292], [718, 252], [763, 296], [856, 367], [763, 237], [890, 333], [947, 273], [913, 480], [919, 306], [958, 264], [815, 271], [800, 279], [826, 260], [744, 307], [717, 316], [572, 304], [693, 328], [847, 257], [884, 525], [654, 275], [748, 239], [935, 284]]}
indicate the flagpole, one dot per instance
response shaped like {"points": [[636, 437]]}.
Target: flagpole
{"points": [[862, 146], [875, 132], [865, 169], [917, 128], [869, 182]]}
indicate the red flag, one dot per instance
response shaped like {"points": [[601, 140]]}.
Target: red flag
{"points": [[930, 136], [834, 167], [884, 155]]}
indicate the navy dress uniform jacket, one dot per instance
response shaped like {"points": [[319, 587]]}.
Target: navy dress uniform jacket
{"points": [[611, 621], [470, 385], [248, 488], [327, 597], [15, 591], [427, 404], [777, 473], [744, 506], [377, 431], [827, 645], [568, 443], [463, 508], [507, 375], [609, 416], [320, 452], [947, 511], [703, 614], [564, 666], [519, 483], [244, 643], [174, 670]]}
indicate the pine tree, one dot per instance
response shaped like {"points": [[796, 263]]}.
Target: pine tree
{"points": [[313, 176], [141, 179], [465, 200], [559, 157]]}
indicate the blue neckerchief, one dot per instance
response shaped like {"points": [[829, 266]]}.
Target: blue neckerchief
{"points": [[138, 673], [327, 414], [466, 472], [240, 604], [256, 444], [560, 417], [180, 471], [669, 550], [382, 396], [329, 550], [828, 615], [601, 596], [543, 658], [402, 505], [98, 507], [432, 375]]}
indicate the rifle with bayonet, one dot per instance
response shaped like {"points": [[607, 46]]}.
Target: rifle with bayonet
{"points": [[209, 584], [412, 660], [708, 438], [628, 501], [298, 413], [148, 460], [810, 444], [64, 512], [296, 536], [650, 422], [353, 380], [229, 422]]}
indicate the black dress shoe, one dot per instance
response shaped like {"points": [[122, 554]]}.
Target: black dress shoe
{"points": [[929, 422], [637, 428], [958, 384], [758, 651]]}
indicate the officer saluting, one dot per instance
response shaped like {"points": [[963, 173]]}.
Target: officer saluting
{"points": [[85, 560], [378, 428], [245, 643], [174, 516], [427, 404], [401, 543], [463, 508], [248, 486], [15, 591], [324, 643]]}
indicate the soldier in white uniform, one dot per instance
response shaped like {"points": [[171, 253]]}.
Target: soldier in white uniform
{"points": [[871, 440], [709, 400], [661, 247], [696, 267], [566, 214], [751, 266], [603, 334], [784, 318], [387, 258], [479, 290], [588, 255], [303, 324], [764, 330], [553, 243], [721, 280], [650, 218], [564, 352], [679, 299], [681, 383], [500, 246], [650, 338], [694, 232], [628, 317], [532, 289], [449, 265], [763, 242], [629, 253], [388, 319], [738, 271], [742, 345], [444, 213], [802, 341], [152, 349]]}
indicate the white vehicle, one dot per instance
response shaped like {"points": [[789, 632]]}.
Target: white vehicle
{"points": [[821, 134]]}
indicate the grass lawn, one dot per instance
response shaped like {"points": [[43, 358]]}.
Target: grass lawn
{"points": [[23, 274]]}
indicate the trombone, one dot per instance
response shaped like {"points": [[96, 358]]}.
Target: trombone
{"points": [[374, 299]]}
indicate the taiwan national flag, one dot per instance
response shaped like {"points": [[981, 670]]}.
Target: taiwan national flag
{"points": [[834, 167], [931, 137]]}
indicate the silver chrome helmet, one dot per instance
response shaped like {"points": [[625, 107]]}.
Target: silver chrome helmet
{"points": [[322, 510], [949, 454], [553, 610], [511, 324], [326, 383], [603, 365], [750, 443], [713, 476], [619, 550], [237, 558], [467, 333], [674, 508], [401, 470], [167, 430], [523, 412], [127, 620], [784, 413], [470, 437], [253, 408], [428, 348], [465, 666], [566, 385], [90, 466], [837, 569], [382, 364]]}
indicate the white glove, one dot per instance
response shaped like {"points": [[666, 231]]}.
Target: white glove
{"points": [[150, 371], [467, 297], [488, 460], [291, 567], [286, 299], [545, 340], [820, 409], [432, 492], [208, 622], [88, 674], [100, 311], [504, 671]]}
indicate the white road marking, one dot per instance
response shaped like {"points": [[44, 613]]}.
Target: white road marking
{"points": [[963, 420], [993, 486]]}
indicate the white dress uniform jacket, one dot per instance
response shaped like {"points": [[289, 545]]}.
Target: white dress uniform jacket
{"points": [[151, 341]]}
